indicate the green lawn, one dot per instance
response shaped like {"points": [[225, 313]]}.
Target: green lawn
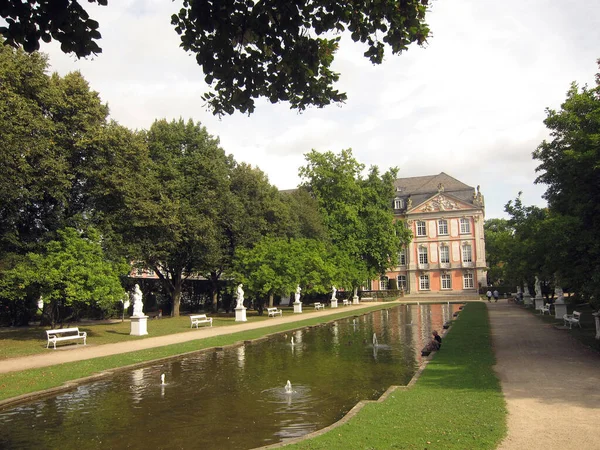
{"points": [[457, 402]]}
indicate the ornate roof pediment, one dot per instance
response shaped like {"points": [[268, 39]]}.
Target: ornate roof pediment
{"points": [[441, 202]]}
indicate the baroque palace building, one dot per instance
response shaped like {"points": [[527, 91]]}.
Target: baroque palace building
{"points": [[447, 253]]}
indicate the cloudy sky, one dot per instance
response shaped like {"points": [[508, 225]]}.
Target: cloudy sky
{"points": [[470, 103]]}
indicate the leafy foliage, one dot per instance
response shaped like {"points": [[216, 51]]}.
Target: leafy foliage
{"points": [[570, 166], [357, 213], [498, 249], [277, 49], [64, 21], [72, 271]]}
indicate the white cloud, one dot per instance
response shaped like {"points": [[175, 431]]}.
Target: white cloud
{"points": [[471, 103]]}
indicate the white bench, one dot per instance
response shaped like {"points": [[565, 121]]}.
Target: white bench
{"points": [[572, 319], [200, 319], [272, 312], [65, 334], [544, 309], [345, 302], [319, 306]]}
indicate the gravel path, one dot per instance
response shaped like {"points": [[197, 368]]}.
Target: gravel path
{"points": [[550, 382]]}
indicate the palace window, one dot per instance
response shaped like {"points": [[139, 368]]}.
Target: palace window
{"points": [[398, 203], [446, 281], [402, 282], [442, 227], [444, 254], [383, 283], [468, 281], [423, 256], [465, 226], [421, 229], [424, 282], [402, 257], [467, 253]]}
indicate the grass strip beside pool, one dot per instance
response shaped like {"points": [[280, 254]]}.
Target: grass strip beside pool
{"points": [[14, 384], [457, 403]]}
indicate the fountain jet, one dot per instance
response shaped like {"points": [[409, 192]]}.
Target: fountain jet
{"points": [[162, 379], [288, 387]]}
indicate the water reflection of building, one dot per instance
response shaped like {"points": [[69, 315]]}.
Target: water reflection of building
{"points": [[241, 356], [137, 384]]}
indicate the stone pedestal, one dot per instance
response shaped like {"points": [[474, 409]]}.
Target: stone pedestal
{"points": [[240, 314], [297, 307], [597, 322], [334, 303], [355, 300], [139, 325], [527, 299], [539, 302], [560, 309]]}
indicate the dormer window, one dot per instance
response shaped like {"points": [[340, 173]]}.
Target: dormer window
{"points": [[398, 203]]}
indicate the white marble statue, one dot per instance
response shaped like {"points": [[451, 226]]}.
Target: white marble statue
{"points": [[240, 296], [333, 292], [538, 288], [138, 305], [297, 294], [560, 295]]}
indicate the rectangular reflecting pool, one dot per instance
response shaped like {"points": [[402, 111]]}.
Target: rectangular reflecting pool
{"points": [[235, 398]]}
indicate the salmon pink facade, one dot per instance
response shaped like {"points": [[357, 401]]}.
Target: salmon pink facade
{"points": [[447, 253]]}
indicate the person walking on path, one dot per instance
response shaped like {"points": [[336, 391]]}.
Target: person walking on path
{"points": [[496, 295], [546, 374], [488, 294]]}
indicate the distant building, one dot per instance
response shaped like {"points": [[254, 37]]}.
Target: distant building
{"points": [[447, 253]]}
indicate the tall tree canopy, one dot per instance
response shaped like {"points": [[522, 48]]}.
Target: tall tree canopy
{"points": [[357, 213], [281, 50], [187, 183], [570, 166]]}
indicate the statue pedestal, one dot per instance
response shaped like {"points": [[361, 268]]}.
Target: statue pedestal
{"points": [[560, 309], [297, 307], [539, 302], [355, 300], [527, 300], [240, 314], [139, 325], [597, 322], [334, 303]]}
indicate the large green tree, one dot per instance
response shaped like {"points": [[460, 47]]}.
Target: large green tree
{"points": [[570, 167], [47, 126], [357, 213], [71, 273], [499, 240], [277, 265], [186, 184], [251, 209], [281, 50]]}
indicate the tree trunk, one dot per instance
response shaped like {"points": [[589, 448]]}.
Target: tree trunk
{"points": [[271, 299], [214, 287], [176, 296]]}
